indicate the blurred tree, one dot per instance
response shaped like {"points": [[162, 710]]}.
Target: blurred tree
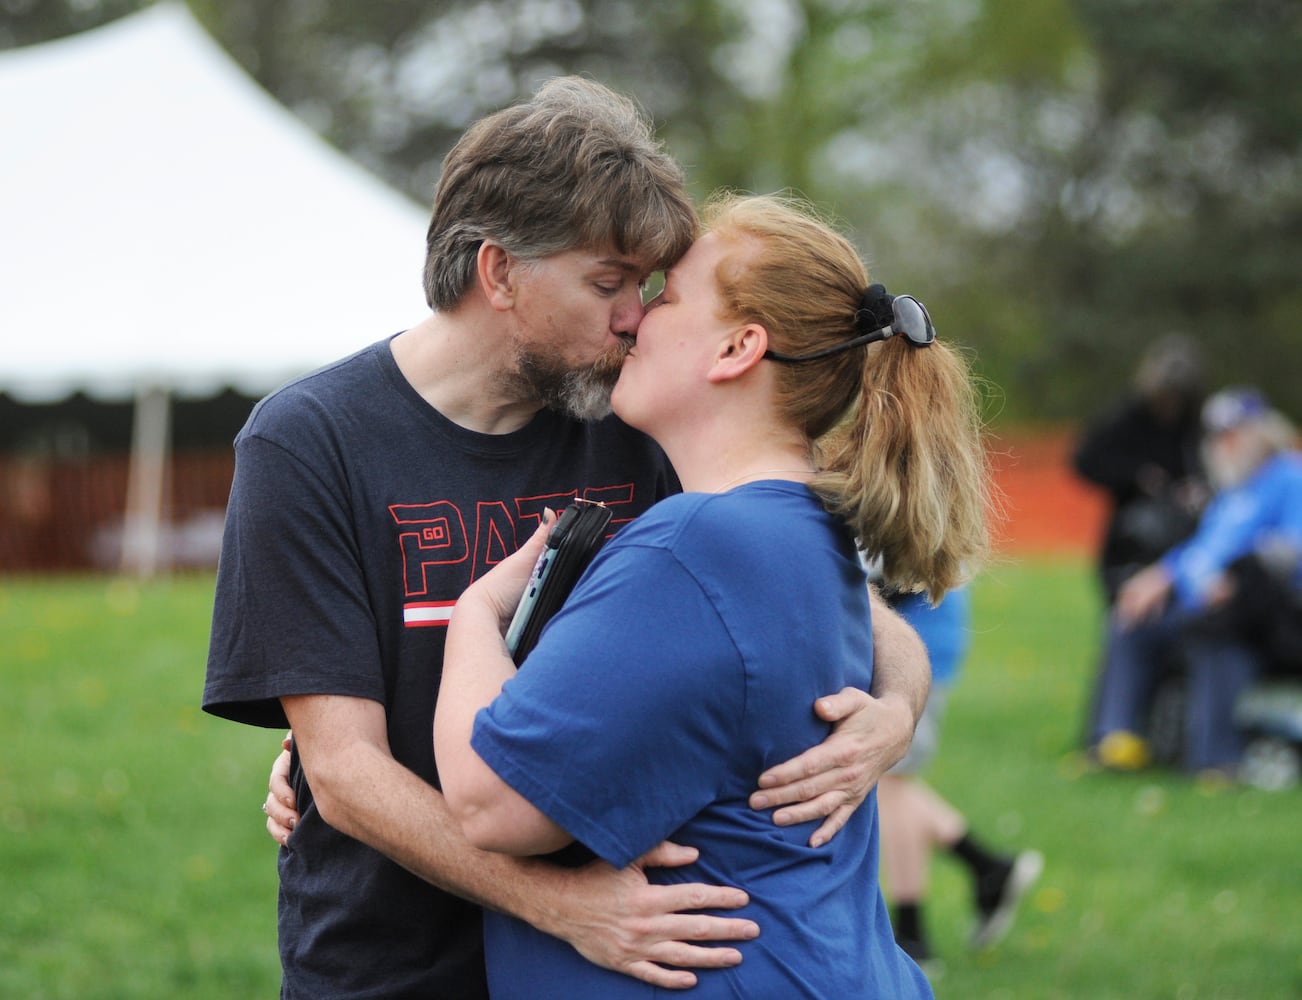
{"points": [[1177, 205], [1070, 179], [1061, 180], [26, 22], [395, 82]]}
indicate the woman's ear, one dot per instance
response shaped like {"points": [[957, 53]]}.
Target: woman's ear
{"points": [[740, 351], [495, 275]]}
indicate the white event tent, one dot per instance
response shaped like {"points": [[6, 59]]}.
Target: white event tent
{"points": [[166, 227]]}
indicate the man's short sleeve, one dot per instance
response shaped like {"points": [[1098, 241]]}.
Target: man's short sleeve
{"points": [[290, 614]]}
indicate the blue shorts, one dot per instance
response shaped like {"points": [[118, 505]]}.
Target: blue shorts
{"points": [[926, 738]]}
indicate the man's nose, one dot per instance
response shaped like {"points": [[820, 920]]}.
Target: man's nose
{"points": [[629, 312]]}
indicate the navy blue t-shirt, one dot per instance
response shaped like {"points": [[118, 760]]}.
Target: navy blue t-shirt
{"points": [[685, 663], [357, 516]]}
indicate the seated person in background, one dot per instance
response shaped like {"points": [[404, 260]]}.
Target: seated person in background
{"points": [[688, 654], [915, 819], [1178, 601]]}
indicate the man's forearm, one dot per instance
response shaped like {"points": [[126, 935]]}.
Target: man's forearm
{"points": [[441, 855], [615, 919], [362, 791]]}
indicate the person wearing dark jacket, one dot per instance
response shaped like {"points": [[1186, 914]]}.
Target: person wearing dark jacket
{"points": [[1145, 452]]}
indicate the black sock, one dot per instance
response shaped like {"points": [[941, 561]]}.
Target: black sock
{"points": [[909, 934], [982, 861], [908, 922]]}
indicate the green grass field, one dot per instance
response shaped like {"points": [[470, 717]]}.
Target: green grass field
{"points": [[134, 864]]}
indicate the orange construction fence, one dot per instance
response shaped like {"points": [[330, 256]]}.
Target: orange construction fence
{"points": [[66, 516]]}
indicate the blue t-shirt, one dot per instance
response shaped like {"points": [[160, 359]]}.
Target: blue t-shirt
{"points": [[946, 629], [685, 663]]}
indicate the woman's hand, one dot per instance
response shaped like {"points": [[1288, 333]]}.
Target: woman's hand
{"points": [[502, 586], [280, 805]]}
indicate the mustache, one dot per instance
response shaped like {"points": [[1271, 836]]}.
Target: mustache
{"points": [[582, 392]]}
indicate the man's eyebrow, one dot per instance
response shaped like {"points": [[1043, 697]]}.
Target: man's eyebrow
{"points": [[622, 263]]}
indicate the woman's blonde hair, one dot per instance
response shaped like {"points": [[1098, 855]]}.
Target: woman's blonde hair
{"points": [[895, 429]]}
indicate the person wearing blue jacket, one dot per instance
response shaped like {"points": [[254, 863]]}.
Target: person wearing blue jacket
{"points": [[1174, 603]]}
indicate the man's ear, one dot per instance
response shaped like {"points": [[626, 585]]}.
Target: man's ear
{"points": [[740, 351], [496, 276]]}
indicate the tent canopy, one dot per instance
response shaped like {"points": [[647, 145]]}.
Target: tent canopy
{"points": [[167, 224]]}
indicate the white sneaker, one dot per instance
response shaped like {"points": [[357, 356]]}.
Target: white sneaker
{"points": [[993, 923]]}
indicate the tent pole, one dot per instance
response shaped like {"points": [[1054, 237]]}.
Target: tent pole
{"points": [[142, 535]]}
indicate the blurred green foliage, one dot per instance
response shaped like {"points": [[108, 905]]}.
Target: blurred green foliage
{"points": [[1061, 180]]}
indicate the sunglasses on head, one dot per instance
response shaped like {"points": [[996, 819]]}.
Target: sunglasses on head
{"points": [[909, 319]]}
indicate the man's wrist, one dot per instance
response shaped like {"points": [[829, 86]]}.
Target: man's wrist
{"points": [[902, 719], [544, 896], [908, 705]]}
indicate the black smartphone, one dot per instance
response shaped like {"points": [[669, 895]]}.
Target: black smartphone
{"points": [[572, 542]]}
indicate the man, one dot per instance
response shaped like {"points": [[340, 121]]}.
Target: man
{"points": [[367, 497], [1179, 601]]}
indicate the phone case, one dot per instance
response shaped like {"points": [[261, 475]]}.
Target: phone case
{"points": [[574, 539]]}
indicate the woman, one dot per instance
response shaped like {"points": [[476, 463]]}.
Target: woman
{"points": [[688, 654]]}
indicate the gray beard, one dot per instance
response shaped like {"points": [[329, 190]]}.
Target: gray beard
{"points": [[1228, 470], [581, 393]]}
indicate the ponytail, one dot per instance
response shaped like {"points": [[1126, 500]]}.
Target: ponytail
{"points": [[895, 428], [907, 468]]}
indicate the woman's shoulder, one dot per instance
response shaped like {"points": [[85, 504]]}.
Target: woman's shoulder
{"points": [[725, 525], [663, 523]]}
